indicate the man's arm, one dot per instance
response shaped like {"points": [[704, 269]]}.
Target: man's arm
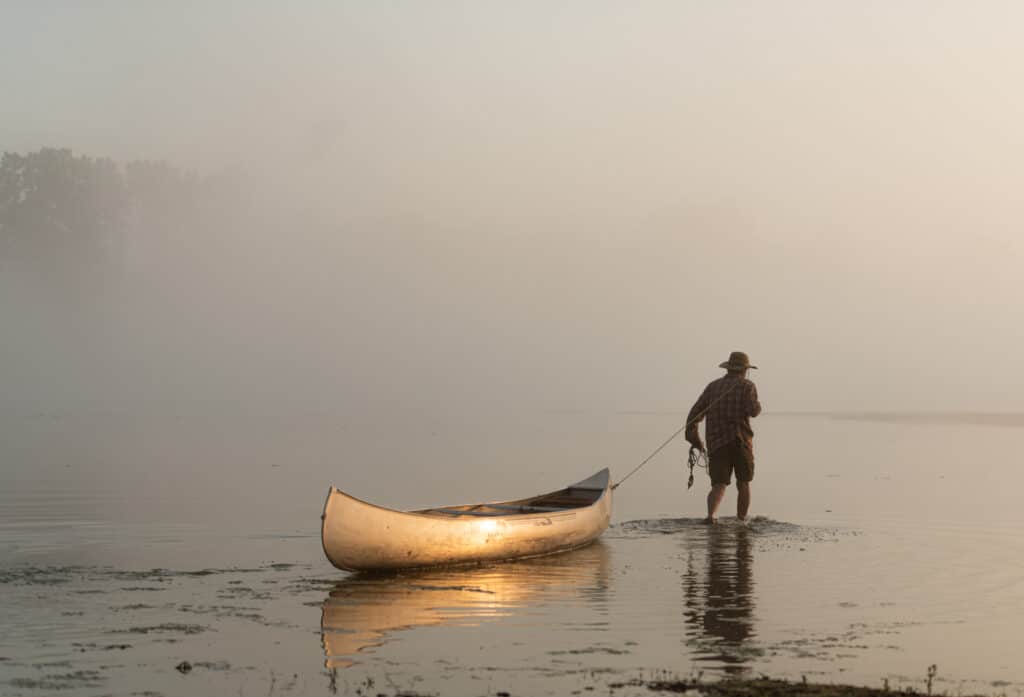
{"points": [[754, 407], [693, 419]]}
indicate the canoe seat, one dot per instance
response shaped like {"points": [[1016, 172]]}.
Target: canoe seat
{"points": [[458, 513], [502, 509], [526, 509]]}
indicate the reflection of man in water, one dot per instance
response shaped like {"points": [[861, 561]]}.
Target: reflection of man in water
{"points": [[726, 615], [729, 403]]}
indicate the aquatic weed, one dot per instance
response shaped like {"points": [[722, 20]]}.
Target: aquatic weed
{"points": [[165, 627]]}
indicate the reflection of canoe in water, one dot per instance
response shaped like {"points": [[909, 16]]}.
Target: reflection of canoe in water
{"points": [[359, 536], [363, 611]]}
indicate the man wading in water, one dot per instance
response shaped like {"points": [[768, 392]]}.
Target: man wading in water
{"points": [[729, 403]]}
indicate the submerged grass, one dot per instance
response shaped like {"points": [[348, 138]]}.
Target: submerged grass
{"points": [[763, 687]]}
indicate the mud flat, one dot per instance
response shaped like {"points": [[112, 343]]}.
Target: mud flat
{"points": [[767, 687]]}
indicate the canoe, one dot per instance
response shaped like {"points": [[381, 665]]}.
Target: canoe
{"points": [[359, 536]]}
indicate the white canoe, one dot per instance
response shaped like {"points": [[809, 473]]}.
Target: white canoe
{"points": [[358, 536]]}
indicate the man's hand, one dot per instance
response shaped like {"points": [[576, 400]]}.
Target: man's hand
{"points": [[697, 445]]}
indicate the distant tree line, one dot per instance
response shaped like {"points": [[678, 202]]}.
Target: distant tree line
{"points": [[63, 211]]}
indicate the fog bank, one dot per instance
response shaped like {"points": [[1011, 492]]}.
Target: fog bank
{"points": [[584, 207]]}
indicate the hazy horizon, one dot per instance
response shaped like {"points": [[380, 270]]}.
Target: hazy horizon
{"points": [[463, 205]]}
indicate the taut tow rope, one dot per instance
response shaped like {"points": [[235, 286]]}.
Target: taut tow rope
{"points": [[651, 456], [693, 457]]}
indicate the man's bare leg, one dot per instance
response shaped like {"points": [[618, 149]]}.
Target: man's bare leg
{"points": [[742, 499], [714, 500]]}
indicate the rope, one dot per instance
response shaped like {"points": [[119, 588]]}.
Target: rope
{"points": [[694, 460], [695, 419], [651, 456]]}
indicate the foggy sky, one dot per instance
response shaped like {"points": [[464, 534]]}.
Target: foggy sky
{"points": [[566, 206]]}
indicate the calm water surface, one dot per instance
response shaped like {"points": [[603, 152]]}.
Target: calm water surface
{"points": [[133, 541]]}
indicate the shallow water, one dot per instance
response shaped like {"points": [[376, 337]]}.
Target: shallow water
{"points": [[133, 542]]}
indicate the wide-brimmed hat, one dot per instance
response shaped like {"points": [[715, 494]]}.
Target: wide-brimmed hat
{"points": [[737, 361]]}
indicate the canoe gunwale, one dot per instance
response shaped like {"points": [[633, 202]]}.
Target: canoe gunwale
{"points": [[420, 512]]}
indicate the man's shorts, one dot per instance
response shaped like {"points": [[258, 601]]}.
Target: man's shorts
{"points": [[738, 456]]}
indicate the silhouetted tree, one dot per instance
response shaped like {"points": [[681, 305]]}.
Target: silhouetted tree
{"points": [[59, 207], [70, 217]]}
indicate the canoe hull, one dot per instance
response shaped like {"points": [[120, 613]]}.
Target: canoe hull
{"points": [[358, 536]]}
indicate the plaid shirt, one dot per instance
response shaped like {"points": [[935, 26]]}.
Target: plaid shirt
{"points": [[728, 402]]}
